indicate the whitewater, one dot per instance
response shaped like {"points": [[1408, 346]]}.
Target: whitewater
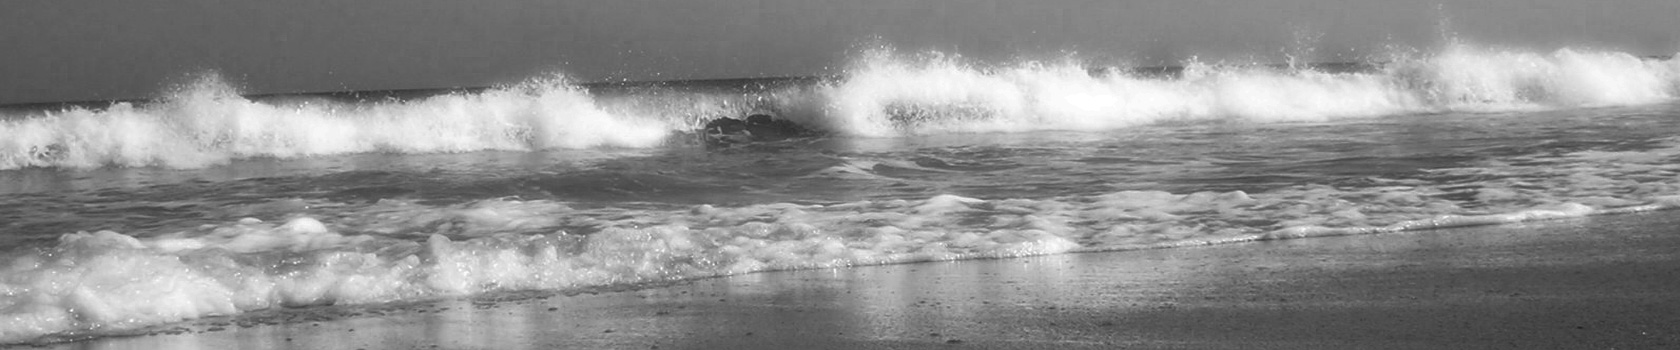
{"points": [[887, 94], [119, 218]]}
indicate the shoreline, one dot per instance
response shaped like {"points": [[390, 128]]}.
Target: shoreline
{"points": [[1593, 282]]}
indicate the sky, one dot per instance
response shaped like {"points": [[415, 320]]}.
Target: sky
{"points": [[73, 50]]}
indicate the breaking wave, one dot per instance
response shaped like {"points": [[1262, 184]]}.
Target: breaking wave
{"points": [[883, 94], [889, 94]]}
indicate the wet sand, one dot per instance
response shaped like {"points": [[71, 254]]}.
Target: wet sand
{"points": [[1601, 282]]}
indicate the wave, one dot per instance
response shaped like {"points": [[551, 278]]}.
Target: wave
{"points": [[325, 252], [208, 123], [891, 94], [883, 94], [105, 282]]}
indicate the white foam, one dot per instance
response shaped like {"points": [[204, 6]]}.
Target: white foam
{"points": [[106, 281], [888, 94], [1468, 77], [396, 250], [209, 123], [884, 94]]}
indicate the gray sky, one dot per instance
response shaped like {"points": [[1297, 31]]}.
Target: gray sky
{"points": [[56, 50]]}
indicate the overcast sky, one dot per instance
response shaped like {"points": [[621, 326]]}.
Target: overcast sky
{"points": [[57, 50]]}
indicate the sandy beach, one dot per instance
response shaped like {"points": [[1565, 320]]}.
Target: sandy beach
{"points": [[1600, 282]]}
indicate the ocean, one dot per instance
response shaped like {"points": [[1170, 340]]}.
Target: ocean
{"points": [[125, 217]]}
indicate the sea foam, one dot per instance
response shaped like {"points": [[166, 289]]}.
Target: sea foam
{"points": [[209, 123], [106, 281], [103, 282], [883, 94], [890, 94], [409, 250]]}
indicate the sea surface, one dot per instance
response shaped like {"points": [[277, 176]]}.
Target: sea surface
{"points": [[128, 216]]}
